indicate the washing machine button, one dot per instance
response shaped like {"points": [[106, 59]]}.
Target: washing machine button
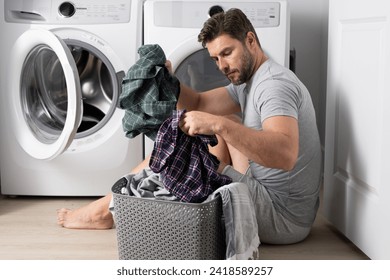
{"points": [[215, 10], [67, 9]]}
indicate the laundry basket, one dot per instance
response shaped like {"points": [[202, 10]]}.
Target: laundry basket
{"points": [[165, 230]]}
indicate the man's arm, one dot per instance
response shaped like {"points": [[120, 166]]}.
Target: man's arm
{"points": [[275, 146], [216, 101]]}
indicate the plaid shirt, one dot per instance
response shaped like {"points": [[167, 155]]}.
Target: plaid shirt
{"points": [[149, 93], [187, 169]]}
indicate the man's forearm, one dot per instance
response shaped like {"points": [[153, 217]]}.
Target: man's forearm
{"points": [[188, 98]]}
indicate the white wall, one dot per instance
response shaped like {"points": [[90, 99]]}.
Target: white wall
{"points": [[309, 38]]}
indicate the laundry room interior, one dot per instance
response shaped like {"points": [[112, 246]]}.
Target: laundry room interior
{"points": [[63, 113]]}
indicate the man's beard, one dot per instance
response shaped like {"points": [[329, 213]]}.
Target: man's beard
{"points": [[246, 70]]}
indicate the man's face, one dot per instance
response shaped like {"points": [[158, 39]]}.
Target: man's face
{"points": [[232, 57]]}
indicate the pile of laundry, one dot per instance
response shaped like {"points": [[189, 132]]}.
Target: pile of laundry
{"points": [[149, 97], [181, 167]]}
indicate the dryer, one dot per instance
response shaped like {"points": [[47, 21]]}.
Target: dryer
{"points": [[175, 25], [62, 67]]}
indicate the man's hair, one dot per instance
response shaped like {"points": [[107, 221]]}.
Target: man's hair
{"points": [[232, 22]]}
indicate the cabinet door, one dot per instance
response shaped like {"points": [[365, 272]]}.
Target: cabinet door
{"points": [[357, 150]]}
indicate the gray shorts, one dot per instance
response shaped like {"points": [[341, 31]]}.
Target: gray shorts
{"points": [[273, 227]]}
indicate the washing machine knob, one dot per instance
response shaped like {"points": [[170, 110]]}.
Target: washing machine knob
{"points": [[215, 10], [67, 9]]}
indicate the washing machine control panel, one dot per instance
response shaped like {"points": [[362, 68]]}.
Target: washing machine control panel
{"points": [[67, 12], [67, 9], [193, 14], [215, 10], [92, 11]]}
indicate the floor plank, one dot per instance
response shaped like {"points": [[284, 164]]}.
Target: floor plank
{"points": [[28, 231]]}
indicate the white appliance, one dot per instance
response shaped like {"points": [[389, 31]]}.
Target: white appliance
{"points": [[61, 68], [175, 26]]}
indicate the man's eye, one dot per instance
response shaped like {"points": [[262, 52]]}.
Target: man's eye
{"points": [[227, 53]]}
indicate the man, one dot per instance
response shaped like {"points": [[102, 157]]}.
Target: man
{"points": [[278, 136]]}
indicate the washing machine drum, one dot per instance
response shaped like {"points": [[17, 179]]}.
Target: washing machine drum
{"points": [[44, 90], [99, 86]]}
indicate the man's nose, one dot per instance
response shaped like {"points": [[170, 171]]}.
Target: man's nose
{"points": [[222, 65]]}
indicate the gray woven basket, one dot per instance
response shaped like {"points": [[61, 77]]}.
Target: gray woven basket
{"points": [[166, 230]]}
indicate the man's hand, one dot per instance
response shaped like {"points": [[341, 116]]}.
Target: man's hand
{"points": [[168, 64], [196, 122]]}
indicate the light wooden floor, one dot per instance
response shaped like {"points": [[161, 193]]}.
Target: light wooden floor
{"points": [[28, 231]]}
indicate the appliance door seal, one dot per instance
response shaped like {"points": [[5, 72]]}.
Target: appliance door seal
{"points": [[45, 94]]}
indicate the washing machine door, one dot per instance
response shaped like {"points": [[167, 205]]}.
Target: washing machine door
{"points": [[195, 68], [200, 72], [45, 94]]}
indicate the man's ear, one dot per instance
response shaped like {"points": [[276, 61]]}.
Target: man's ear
{"points": [[251, 39]]}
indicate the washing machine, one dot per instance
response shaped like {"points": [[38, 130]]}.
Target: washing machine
{"points": [[62, 63], [175, 25]]}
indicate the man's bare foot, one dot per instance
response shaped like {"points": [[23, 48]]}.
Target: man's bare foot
{"points": [[95, 215]]}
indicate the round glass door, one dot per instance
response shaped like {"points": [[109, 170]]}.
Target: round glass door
{"points": [[45, 94], [200, 72]]}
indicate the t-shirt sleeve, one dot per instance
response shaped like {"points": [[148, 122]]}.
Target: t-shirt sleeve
{"points": [[277, 99], [232, 90]]}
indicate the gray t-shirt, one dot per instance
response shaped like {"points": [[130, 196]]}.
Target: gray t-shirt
{"points": [[275, 91]]}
